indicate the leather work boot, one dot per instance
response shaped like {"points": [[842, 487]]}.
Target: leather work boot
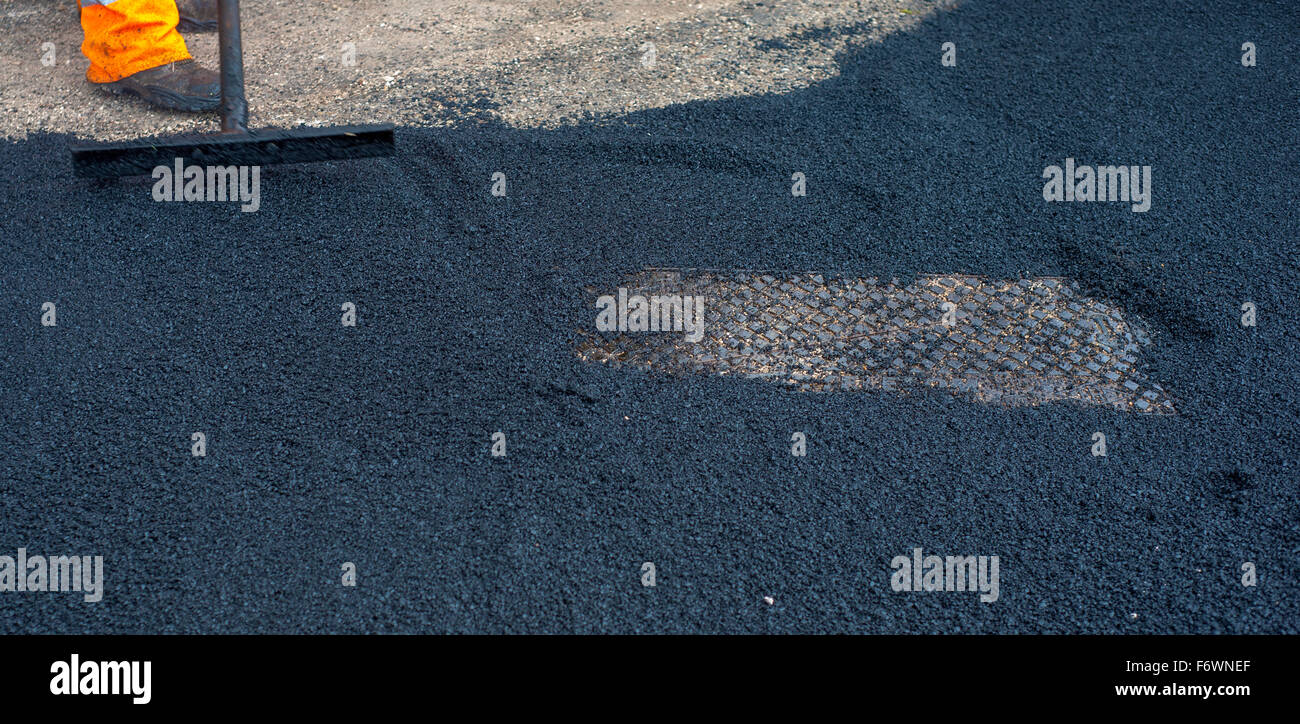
{"points": [[181, 86], [197, 16]]}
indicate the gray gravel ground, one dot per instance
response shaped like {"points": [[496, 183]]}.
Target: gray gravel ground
{"points": [[371, 444], [428, 62]]}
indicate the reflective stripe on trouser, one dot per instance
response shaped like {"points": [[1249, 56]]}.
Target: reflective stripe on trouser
{"points": [[124, 37]]}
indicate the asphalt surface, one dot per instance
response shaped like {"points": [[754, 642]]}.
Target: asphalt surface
{"points": [[371, 444]]}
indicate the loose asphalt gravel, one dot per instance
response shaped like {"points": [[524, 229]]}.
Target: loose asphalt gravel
{"points": [[371, 444]]}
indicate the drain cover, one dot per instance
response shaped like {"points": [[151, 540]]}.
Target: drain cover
{"points": [[1020, 342]]}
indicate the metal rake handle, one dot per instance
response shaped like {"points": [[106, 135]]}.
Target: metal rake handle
{"points": [[234, 107]]}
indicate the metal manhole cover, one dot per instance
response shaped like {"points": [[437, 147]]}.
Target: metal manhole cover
{"points": [[1019, 342]]}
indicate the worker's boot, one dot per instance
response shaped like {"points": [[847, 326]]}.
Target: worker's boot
{"points": [[181, 86], [197, 16]]}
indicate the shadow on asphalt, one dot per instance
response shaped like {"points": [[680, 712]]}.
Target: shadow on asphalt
{"points": [[371, 444]]}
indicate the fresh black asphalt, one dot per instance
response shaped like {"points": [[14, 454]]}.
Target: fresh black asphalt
{"points": [[371, 444]]}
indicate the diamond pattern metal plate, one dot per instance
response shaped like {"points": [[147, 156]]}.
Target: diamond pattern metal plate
{"points": [[1018, 342]]}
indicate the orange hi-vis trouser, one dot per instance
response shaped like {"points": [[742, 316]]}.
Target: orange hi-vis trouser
{"points": [[124, 37]]}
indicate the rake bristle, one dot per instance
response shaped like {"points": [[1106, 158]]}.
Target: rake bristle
{"points": [[256, 148]]}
